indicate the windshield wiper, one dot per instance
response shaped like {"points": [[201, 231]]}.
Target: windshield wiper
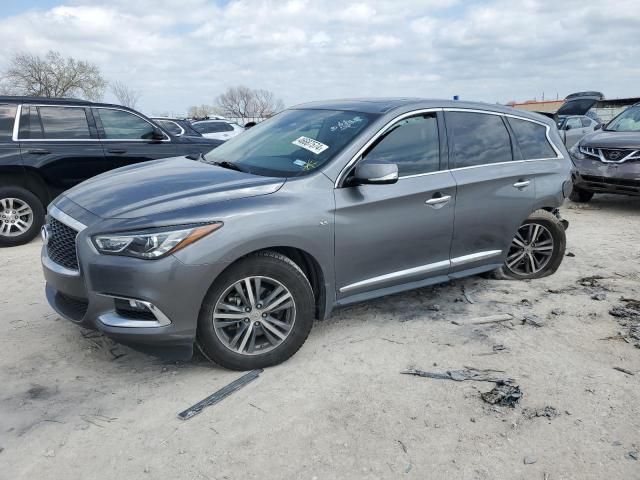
{"points": [[229, 165]]}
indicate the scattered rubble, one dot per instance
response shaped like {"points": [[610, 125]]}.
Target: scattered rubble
{"points": [[469, 373], [599, 296], [548, 412], [503, 394], [623, 370], [530, 460], [591, 281], [533, 320], [503, 317]]}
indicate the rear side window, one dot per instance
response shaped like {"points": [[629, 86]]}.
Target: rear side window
{"points": [[532, 139], [212, 127], [574, 122], [121, 125], [30, 126], [412, 144], [172, 127], [64, 123], [478, 139], [7, 119]]}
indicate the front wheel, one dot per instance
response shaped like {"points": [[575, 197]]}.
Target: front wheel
{"points": [[21, 216], [258, 313], [537, 249]]}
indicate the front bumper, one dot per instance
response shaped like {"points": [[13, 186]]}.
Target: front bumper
{"points": [[596, 176], [93, 296]]}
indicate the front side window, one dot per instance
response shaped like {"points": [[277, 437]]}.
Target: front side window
{"points": [[412, 144], [478, 139], [64, 123], [292, 143], [532, 139], [121, 125], [573, 122], [7, 119], [627, 121], [171, 127], [586, 122]]}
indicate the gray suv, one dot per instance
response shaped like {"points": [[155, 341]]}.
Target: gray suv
{"points": [[323, 205]]}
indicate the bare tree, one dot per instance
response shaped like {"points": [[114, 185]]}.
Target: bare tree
{"points": [[127, 96], [53, 76], [243, 102], [202, 111]]}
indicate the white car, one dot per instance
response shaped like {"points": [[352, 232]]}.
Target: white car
{"points": [[218, 129]]}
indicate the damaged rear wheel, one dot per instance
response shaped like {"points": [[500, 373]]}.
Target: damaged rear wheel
{"points": [[537, 249]]}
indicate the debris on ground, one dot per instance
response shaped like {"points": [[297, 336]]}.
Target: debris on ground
{"points": [[503, 317], [570, 254], [220, 394], [530, 460], [591, 281], [632, 455], [467, 295], [548, 412], [624, 370], [469, 373], [533, 320], [503, 394], [628, 316], [557, 311], [599, 296]]}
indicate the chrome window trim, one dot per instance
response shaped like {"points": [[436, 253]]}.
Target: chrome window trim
{"points": [[397, 275], [182, 132], [69, 221], [167, 139], [380, 132], [377, 135], [16, 123]]}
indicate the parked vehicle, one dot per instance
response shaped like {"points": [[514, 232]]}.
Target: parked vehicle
{"points": [[177, 126], [324, 204], [48, 145], [218, 129], [573, 128], [608, 160]]}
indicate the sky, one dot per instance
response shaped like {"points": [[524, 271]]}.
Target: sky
{"points": [[179, 53]]}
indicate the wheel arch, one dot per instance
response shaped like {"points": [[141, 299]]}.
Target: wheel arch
{"points": [[19, 176]]}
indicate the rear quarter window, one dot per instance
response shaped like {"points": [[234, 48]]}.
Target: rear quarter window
{"points": [[7, 119], [478, 139], [532, 139]]}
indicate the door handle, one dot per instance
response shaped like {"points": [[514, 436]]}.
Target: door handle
{"points": [[38, 151], [438, 200], [522, 183], [115, 150]]}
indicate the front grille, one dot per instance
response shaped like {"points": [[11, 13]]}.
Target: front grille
{"points": [[62, 244], [615, 155]]}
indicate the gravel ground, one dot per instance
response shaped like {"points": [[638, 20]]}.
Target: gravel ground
{"points": [[75, 406]]}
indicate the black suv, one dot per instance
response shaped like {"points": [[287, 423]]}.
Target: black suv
{"points": [[49, 145]]}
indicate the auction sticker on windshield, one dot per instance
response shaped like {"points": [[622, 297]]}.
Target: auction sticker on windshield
{"points": [[310, 144]]}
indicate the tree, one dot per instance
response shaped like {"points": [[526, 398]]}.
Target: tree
{"points": [[127, 96], [54, 76], [202, 111], [243, 102]]}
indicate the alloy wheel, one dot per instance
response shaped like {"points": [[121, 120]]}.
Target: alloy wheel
{"points": [[16, 217], [254, 315], [531, 249]]}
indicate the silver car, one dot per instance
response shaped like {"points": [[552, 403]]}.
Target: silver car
{"points": [[323, 205], [574, 127]]}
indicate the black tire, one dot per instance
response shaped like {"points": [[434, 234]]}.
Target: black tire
{"points": [[579, 195], [265, 264], [37, 210], [555, 227]]}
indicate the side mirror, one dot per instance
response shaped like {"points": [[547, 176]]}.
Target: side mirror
{"points": [[599, 126], [157, 134], [375, 172], [568, 127]]}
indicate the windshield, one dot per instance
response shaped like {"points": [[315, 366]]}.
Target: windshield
{"points": [[292, 143], [627, 121]]}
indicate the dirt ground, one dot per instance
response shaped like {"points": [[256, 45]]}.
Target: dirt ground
{"points": [[77, 407]]}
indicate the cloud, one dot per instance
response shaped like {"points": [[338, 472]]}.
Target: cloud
{"points": [[184, 53]]}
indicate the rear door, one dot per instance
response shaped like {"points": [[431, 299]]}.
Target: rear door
{"points": [[494, 192], [61, 142], [394, 234], [127, 138], [10, 159]]}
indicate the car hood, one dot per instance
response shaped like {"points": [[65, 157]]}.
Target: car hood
{"points": [[609, 139], [166, 185]]}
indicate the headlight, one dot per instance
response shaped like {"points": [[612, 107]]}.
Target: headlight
{"points": [[576, 153], [150, 244]]}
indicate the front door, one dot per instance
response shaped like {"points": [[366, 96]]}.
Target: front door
{"points": [[128, 138], [494, 193], [394, 234], [61, 143]]}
